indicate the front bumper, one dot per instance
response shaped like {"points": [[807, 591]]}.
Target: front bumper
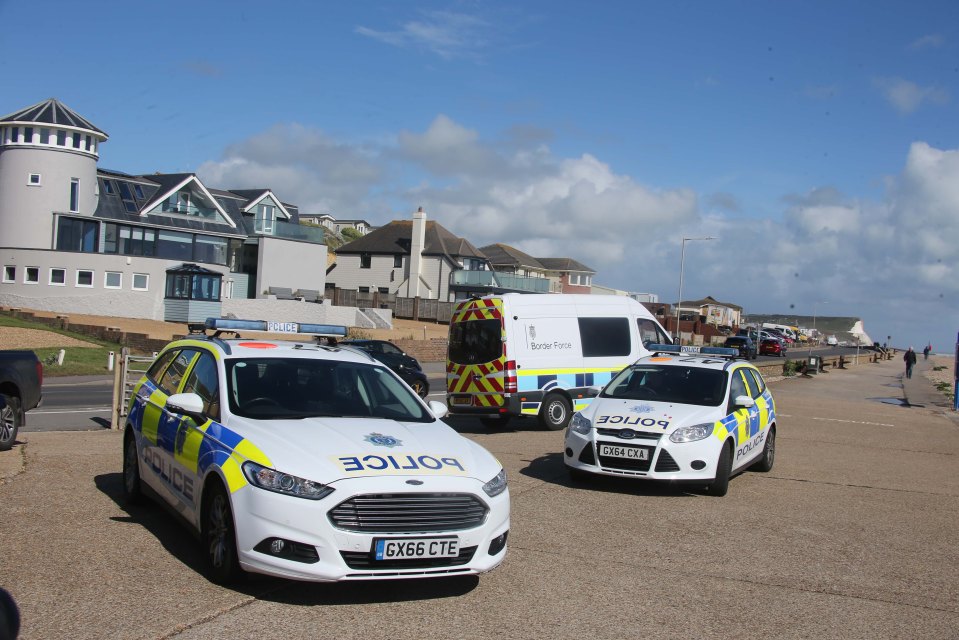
{"points": [[348, 555], [667, 461]]}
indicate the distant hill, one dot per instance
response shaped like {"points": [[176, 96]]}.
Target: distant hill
{"points": [[844, 328]]}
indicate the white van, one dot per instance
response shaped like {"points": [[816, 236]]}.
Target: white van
{"points": [[539, 354]]}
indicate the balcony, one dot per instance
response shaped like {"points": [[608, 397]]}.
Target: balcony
{"points": [[496, 282], [283, 229]]}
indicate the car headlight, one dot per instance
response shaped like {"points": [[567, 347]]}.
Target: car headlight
{"points": [[497, 485], [693, 433], [580, 424], [273, 480]]}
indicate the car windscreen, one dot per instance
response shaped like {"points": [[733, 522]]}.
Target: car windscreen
{"points": [[475, 341], [661, 383], [291, 388]]}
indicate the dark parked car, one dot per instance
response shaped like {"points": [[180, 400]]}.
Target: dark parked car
{"points": [[772, 347], [745, 345], [21, 379], [392, 356]]}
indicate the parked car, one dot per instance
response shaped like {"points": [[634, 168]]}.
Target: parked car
{"points": [[676, 417], [771, 347], [21, 379], [396, 359], [832, 341], [300, 461], [743, 344]]}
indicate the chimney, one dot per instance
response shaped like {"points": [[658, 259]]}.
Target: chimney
{"points": [[417, 244]]}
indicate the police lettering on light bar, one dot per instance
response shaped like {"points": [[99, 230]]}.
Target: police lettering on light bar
{"points": [[228, 324], [693, 350]]}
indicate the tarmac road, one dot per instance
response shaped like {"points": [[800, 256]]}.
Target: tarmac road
{"points": [[851, 535]]}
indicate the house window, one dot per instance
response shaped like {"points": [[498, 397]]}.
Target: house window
{"points": [[9, 273], [363, 289], [108, 187], [265, 218], [174, 245], [366, 261], [44, 136], [383, 290], [28, 135], [74, 195], [77, 235], [84, 278], [31, 275], [76, 140], [112, 280], [138, 190], [61, 138], [15, 134], [398, 260], [141, 282], [127, 197], [58, 277], [193, 286], [34, 180]]}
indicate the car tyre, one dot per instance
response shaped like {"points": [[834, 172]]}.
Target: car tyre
{"points": [[219, 537], [556, 412], [724, 468], [132, 488], [10, 420], [420, 387], [765, 462]]}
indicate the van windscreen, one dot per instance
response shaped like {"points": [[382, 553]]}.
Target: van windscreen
{"points": [[475, 341]]}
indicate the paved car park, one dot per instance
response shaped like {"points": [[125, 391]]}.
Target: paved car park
{"points": [[851, 535]]}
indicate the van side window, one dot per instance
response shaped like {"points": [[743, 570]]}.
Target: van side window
{"points": [[605, 337], [650, 333]]}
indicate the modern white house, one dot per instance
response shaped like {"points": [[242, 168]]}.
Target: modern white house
{"points": [[81, 239]]}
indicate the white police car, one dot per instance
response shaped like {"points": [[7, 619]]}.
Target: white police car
{"points": [[310, 461], [677, 416]]}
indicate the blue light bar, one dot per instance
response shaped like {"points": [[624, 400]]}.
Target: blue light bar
{"points": [[719, 351], [272, 326], [664, 348]]}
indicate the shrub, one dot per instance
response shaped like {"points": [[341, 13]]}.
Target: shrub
{"points": [[789, 368]]}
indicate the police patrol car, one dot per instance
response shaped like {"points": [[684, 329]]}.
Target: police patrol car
{"points": [[678, 416], [309, 461]]}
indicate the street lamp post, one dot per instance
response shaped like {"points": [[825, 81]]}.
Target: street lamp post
{"points": [[682, 264]]}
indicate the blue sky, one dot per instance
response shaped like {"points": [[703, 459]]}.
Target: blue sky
{"points": [[817, 140]]}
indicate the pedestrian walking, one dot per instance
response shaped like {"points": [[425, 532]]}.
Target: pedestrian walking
{"points": [[925, 352], [910, 360]]}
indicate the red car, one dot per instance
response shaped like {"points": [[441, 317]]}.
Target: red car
{"points": [[772, 347]]}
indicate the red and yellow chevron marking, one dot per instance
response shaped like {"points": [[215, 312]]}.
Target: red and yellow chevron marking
{"points": [[488, 309], [475, 378]]}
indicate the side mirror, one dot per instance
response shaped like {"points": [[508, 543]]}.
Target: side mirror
{"points": [[188, 404], [438, 408], [745, 402]]}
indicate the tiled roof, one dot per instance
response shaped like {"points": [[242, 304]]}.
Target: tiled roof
{"points": [[52, 112], [564, 264], [503, 254], [397, 236]]}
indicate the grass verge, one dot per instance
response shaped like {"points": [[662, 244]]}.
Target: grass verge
{"points": [[77, 361]]}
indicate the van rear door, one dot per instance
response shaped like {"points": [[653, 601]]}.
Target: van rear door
{"points": [[475, 360]]}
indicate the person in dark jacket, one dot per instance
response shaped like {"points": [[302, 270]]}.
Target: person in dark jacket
{"points": [[925, 352], [910, 359]]}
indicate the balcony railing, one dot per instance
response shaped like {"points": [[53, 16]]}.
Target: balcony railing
{"points": [[283, 229], [499, 281]]}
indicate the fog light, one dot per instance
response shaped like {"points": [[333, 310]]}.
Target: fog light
{"points": [[569, 452], [698, 465], [276, 547], [498, 543]]}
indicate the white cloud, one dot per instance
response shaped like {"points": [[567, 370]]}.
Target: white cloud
{"points": [[906, 97], [931, 41], [445, 33]]}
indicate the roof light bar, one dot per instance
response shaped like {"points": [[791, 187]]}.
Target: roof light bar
{"points": [[719, 351], [723, 352], [273, 326]]}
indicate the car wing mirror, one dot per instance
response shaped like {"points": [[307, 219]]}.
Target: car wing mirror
{"points": [[188, 404], [438, 408], [744, 402]]}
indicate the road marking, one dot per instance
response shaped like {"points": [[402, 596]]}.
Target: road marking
{"points": [[876, 424], [36, 412]]}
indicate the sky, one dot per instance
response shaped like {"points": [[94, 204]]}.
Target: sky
{"points": [[817, 142]]}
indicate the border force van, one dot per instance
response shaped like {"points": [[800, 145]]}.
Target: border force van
{"points": [[522, 354]]}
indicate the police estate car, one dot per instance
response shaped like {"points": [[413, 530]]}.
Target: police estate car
{"points": [[677, 416], [309, 461]]}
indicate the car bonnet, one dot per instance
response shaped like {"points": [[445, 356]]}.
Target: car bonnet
{"points": [[330, 449], [645, 415]]}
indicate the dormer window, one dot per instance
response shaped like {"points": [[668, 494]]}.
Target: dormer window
{"points": [[265, 218]]}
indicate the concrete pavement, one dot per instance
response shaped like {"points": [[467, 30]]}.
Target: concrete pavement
{"points": [[851, 535]]}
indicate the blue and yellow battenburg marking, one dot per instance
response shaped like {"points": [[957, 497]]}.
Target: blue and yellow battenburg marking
{"points": [[746, 427], [400, 463], [194, 447]]}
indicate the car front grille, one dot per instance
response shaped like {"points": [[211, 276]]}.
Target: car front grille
{"points": [[409, 513], [365, 560], [665, 462]]}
